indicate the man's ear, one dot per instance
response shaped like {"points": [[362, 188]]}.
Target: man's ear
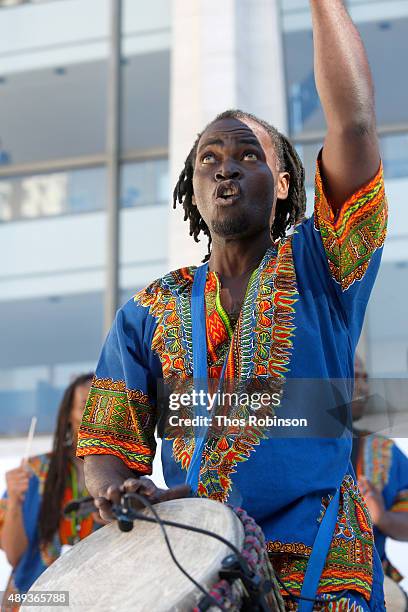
{"points": [[282, 190], [193, 200]]}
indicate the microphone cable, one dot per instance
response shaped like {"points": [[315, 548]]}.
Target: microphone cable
{"points": [[130, 513]]}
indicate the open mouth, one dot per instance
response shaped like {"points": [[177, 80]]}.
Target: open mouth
{"points": [[227, 192]]}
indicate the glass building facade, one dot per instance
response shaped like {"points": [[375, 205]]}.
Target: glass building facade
{"points": [[54, 169], [54, 157]]}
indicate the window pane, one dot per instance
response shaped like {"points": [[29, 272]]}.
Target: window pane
{"points": [[308, 154], [53, 79], [384, 30], [145, 183], [45, 195], [45, 343], [146, 203], [394, 153], [146, 74], [387, 321]]}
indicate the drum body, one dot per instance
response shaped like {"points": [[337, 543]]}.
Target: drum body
{"points": [[111, 570]]}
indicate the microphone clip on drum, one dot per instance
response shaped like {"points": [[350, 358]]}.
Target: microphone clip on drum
{"points": [[123, 512]]}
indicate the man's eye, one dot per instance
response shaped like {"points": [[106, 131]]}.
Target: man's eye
{"points": [[208, 158], [251, 156]]}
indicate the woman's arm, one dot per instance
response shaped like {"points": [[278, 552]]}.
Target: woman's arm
{"points": [[13, 538], [392, 524]]}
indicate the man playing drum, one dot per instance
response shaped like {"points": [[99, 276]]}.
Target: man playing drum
{"points": [[266, 306]]}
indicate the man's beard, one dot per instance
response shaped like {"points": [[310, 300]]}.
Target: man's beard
{"points": [[235, 226]]}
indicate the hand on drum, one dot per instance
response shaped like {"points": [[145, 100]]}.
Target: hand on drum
{"points": [[143, 486]]}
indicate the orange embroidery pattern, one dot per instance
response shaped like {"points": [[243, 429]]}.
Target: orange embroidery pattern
{"points": [[260, 352], [360, 228], [349, 562], [118, 421]]}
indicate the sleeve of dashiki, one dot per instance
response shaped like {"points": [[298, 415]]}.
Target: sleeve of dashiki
{"points": [[400, 502], [350, 243], [120, 417]]}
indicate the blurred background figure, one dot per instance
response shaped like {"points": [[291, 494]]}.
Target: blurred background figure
{"points": [[33, 530], [382, 473], [4, 155]]}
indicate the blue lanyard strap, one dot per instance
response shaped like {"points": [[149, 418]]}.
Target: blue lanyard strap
{"points": [[200, 371], [198, 325], [319, 554]]}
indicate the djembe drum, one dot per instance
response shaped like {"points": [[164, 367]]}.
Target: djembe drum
{"points": [[111, 570]]}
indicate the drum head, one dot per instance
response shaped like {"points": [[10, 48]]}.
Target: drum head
{"points": [[395, 598], [111, 570]]}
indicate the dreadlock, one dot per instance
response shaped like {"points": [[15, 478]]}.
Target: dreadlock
{"points": [[288, 212], [50, 512]]}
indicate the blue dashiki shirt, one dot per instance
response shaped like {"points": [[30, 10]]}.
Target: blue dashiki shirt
{"points": [[301, 318], [381, 461]]}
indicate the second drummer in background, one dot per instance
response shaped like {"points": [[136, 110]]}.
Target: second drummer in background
{"points": [[33, 531]]}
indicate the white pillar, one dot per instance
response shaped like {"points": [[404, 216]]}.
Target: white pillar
{"points": [[260, 62], [224, 55]]}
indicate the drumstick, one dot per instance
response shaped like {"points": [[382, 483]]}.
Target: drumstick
{"points": [[30, 439]]}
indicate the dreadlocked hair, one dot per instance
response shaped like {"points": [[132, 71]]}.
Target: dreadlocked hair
{"points": [[288, 212], [55, 483]]}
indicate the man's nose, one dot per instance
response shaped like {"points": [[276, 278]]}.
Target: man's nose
{"points": [[227, 171]]}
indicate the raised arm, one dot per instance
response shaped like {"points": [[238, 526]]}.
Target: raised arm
{"points": [[343, 80], [13, 537]]}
